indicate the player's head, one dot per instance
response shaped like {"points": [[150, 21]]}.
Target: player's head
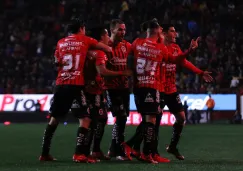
{"points": [[76, 26], [170, 33], [144, 26], [153, 27], [100, 34], [118, 29]]}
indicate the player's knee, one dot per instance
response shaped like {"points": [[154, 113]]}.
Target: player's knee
{"points": [[53, 121], [151, 119], [84, 122], [181, 118]]}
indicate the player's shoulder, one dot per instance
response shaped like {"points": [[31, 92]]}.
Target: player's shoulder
{"points": [[61, 41], [174, 45], [138, 40], [125, 43]]}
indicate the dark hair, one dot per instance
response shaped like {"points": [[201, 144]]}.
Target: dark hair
{"points": [[153, 24], [114, 22], [97, 32], [166, 27], [75, 24], [144, 26]]}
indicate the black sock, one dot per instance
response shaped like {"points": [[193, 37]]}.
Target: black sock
{"points": [[156, 140], [177, 129], [80, 145], [149, 133], [137, 138], [98, 135], [113, 140], [88, 140], [46, 142], [121, 124]]}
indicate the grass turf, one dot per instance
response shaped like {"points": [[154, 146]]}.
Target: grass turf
{"points": [[206, 148]]}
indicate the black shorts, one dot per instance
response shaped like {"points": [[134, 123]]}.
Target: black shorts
{"points": [[173, 101], [147, 101], [64, 96], [97, 106], [118, 102]]}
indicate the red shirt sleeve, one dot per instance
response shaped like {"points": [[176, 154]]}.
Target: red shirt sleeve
{"points": [[178, 58], [91, 42], [185, 63], [101, 58]]}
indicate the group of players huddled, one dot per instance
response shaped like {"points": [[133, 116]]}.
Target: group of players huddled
{"points": [[97, 74]]}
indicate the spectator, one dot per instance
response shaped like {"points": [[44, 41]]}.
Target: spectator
{"points": [[210, 106], [185, 106], [29, 36]]}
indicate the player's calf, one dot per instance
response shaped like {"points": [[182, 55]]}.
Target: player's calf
{"points": [[177, 130], [46, 142]]}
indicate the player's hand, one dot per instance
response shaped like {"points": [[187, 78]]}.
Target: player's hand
{"points": [[207, 77], [194, 43], [127, 72]]}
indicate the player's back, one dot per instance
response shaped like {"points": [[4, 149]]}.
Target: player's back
{"points": [[71, 53], [94, 82], [148, 57]]}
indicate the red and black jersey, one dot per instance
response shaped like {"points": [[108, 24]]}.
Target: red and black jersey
{"points": [[170, 69], [94, 82], [148, 56], [70, 57], [117, 61]]}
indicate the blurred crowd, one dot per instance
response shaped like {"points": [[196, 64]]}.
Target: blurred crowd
{"points": [[29, 31]]}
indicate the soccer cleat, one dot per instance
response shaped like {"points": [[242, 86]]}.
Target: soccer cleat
{"points": [[99, 155], [175, 152], [136, 154], [160, 159], [82, 159], [47, 158], [148, 158], [128, 150], [91, 158], [122, 158]]}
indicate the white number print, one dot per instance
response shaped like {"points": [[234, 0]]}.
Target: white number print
{"points": [[68, 61], [144, 65]]}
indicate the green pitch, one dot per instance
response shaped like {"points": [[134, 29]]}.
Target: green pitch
{"points": [[206, 148]]}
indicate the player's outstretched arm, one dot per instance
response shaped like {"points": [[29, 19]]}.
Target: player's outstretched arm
{"points": [[188, 65], [205, 74], [102, 70]]}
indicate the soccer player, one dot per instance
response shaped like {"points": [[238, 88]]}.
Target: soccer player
{"points": [[118, 92], [95, 70], [145, 59], [70, 57], [172, 97]]}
